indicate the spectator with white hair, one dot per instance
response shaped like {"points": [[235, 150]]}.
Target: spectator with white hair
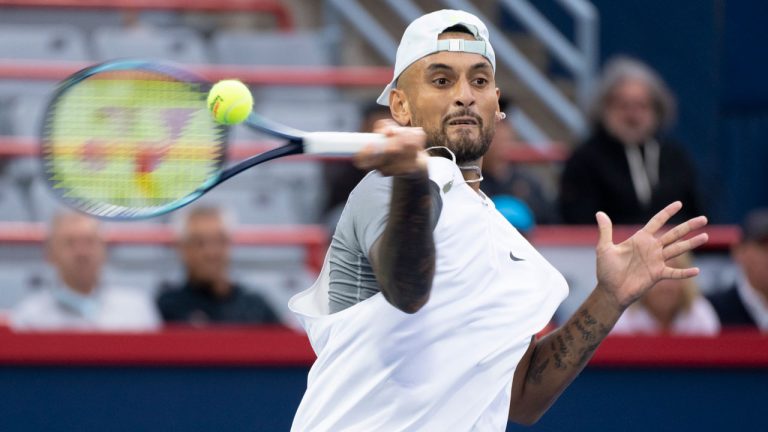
{"points": [[208, 295], [626, 168], [79, 299]]}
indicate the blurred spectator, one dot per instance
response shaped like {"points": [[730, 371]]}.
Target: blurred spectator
{"points": [[78, 300], [516, 212], [208, 294], [672, 306], [746, 302], [625, 167], [341, 177], [501, 177]]}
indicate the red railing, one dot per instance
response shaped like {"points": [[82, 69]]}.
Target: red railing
{"points": [[233, 346], [276, 8]]}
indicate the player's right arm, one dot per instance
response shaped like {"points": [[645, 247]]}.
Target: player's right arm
{"points": [[403, 257]]}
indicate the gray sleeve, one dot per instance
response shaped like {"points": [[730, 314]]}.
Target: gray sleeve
{"points": [[362, 222], [369, 209]]}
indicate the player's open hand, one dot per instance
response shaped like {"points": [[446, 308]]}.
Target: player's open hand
{"points": [[628, 269], [402, 154]]}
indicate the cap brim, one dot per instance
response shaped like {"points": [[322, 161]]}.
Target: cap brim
{"points": [[384, 97]]}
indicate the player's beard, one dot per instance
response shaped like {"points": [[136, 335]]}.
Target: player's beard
{"points": [[465, 145]]}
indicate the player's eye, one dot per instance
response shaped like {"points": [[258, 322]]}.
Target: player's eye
{"points": [[440, 82], [480, 82]]}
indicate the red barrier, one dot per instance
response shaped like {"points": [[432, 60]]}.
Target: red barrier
{"points": [[731, 349], [233, 346], [274, 7], [268, 346]]}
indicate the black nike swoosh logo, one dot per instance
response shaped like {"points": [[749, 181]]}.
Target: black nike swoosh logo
{"points": [[514, 258]]}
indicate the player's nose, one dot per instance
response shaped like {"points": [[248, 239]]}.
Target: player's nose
{"points": [[463, 96]]}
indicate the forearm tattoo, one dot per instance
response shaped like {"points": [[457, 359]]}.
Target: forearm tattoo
{"points": [[407, 249], [569, 348]]}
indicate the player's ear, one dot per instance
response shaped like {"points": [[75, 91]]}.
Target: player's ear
{"points": [[398, 106]]}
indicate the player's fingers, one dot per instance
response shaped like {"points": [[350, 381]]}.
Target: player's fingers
{"points": [[394, 158], [681, 247], [411, 139], [369, 156], [385, 126], [682, 230], [661, 218], [676, 273], [605, 228]]}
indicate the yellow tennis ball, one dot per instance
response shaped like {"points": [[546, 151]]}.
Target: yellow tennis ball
{"points": [[230, 102]]}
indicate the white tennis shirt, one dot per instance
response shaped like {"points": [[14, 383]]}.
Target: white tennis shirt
{"points": [[448, 367]]}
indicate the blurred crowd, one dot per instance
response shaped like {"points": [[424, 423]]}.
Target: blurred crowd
{"points": [[79, 300], [627, 166]]}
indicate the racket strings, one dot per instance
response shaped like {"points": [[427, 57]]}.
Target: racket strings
{"points": [[131, 141]]}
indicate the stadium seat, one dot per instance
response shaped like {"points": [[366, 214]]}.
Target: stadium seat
{"points": [[338, 116], [43, 203], [14, 206], [277, 192], [309, 115], [175, 44], [275, 49], [42, 42], [260, 204], [27, 109], [84, 19], [270, 48]]}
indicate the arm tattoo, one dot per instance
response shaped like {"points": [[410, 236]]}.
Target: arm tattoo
{"points": [[569, 348], [407, 249], [537, 370]]}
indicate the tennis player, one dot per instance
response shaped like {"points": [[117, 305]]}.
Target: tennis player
{"points": [[424, 316]]}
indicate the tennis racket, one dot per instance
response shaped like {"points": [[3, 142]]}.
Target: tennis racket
{"points": [[133, 139]]}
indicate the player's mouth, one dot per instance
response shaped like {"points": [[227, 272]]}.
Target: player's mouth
{"points": [[463, 121]]}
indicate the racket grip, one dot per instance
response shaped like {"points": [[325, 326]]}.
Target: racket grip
{"points": [[340, 142]]}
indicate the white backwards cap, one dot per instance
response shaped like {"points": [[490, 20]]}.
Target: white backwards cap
{"points": [[420, 40]]}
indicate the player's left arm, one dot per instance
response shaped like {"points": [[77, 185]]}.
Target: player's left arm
{"points": [[625, 272]]}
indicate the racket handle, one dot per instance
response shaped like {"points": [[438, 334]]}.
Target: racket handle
{"points": [[340, 142]]}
